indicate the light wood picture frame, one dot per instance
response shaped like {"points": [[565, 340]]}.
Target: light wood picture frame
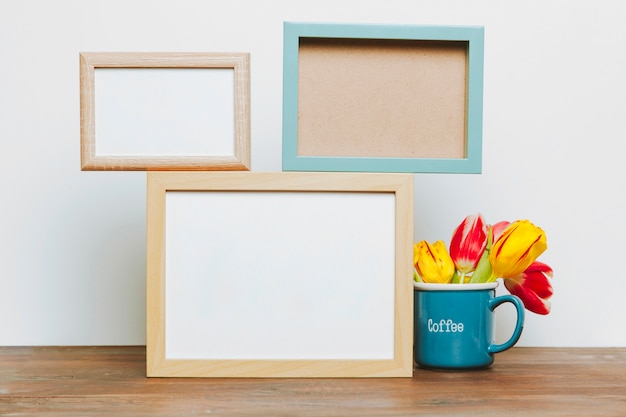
{"points": [[382, 98], [279, 274], [164, 111]]}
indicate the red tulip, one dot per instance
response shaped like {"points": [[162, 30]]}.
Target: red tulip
{"points": [[533, 287], [468, 243]]}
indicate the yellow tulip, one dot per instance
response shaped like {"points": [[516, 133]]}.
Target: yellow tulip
{"points": [[433, 262], [517, 248]]}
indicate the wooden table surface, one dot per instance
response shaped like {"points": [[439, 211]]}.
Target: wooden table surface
{"points": [[97, 381]]}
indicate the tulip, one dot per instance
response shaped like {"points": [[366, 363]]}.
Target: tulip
{"points": [[484, 271], [499, 228], [533, 287], [433, 263], [468, 243], [517, 248]]}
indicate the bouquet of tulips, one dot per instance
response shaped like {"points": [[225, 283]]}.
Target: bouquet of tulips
{"points": [[481, 253]]}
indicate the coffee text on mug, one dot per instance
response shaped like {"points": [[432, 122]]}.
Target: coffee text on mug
{"points": [[444, 326]]}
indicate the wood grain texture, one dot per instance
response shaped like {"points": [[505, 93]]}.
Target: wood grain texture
{"points": [[98, 381]]}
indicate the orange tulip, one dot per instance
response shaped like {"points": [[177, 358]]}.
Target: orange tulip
{"points": [[517, 248]]}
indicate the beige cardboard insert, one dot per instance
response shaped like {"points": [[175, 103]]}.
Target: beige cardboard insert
{"points": [[382, 98]]}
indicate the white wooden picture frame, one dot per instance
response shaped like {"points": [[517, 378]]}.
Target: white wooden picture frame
{"points": [[279, 274], [164, 111]]}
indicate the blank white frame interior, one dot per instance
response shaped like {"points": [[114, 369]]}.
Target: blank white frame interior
{"points": [[279, 275], [165, 111]]}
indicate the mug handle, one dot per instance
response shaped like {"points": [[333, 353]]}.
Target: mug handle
{"points": [[519, 325]]}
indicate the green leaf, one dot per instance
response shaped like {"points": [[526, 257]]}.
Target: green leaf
{"points": [[483, 272]]}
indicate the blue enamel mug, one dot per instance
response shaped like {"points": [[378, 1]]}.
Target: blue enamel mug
{"points": [[454, 325]]}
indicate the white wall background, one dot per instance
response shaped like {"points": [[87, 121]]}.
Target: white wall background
{"points": [[72, 243]]}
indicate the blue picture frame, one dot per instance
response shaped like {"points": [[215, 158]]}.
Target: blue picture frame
{"points": [[472, 36]]}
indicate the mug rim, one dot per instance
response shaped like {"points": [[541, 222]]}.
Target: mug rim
{"points": [[426, 286]]}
